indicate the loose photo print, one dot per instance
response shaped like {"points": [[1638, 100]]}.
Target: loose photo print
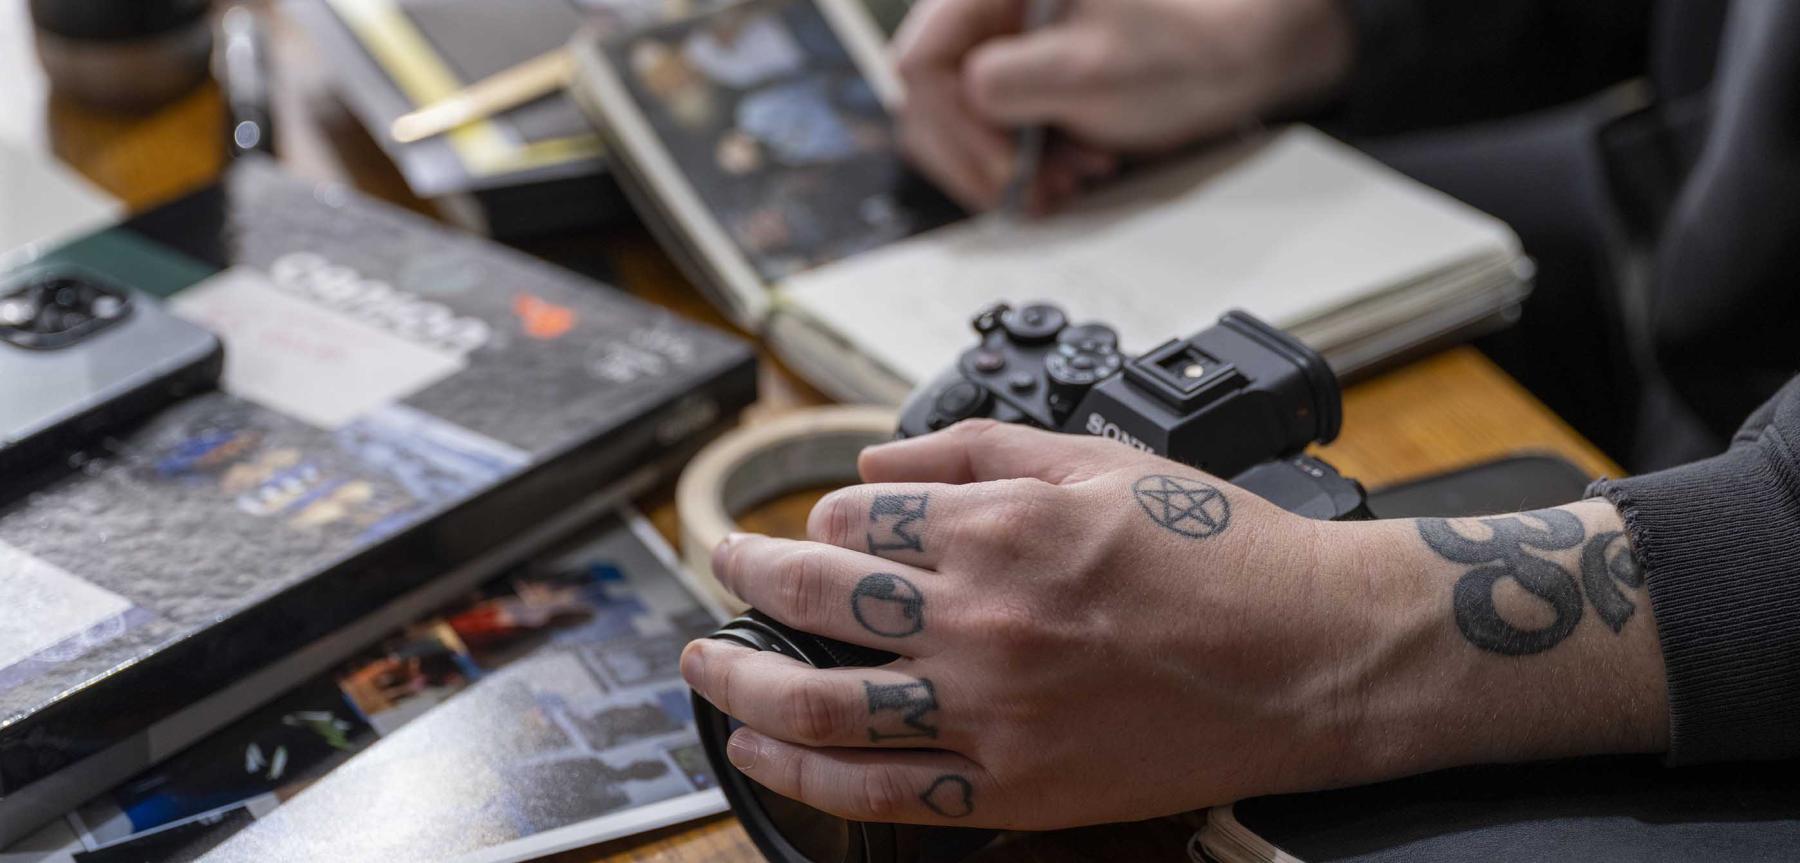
{"points": [[547, 706], [787, 144]]}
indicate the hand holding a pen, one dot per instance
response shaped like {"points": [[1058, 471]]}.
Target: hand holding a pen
{"points": [[1111, 77]]}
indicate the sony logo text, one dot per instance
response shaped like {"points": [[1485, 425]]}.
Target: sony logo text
{"points": [[1102, 427]]}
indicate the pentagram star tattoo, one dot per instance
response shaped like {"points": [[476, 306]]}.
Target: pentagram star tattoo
{"points": [[1184, 506]]}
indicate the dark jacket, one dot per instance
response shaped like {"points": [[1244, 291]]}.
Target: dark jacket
{"points": [[1719, 541], [1706, 180], [1707, 183]]}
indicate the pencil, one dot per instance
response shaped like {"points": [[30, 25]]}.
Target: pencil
{"points": [[1033, 138]]}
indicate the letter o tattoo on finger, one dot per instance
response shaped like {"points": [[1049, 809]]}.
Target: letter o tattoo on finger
{"points": [[887, 605]]}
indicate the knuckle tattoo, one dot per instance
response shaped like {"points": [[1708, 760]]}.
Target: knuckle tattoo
{"points": [[900, 711], [950, 795], [896, 522], [888, 605]]}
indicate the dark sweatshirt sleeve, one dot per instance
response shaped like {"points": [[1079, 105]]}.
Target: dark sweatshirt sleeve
{"points": [[1720, 542], [1423, 63]]}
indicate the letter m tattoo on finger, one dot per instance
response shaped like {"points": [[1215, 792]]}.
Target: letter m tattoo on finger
{"points": [[899, 711], [895, 522]]}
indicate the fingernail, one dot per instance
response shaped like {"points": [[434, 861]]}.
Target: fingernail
{"points": [[732, 539], [693, 663], [741, 751]]}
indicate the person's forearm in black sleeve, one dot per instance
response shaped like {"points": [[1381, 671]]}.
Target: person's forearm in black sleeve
{"points": [[1423, 63]]}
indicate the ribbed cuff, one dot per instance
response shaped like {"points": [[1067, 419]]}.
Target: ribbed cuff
{"points": [[1720, 543]]}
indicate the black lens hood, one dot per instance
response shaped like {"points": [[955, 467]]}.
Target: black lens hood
{"points": [[865, 842]]}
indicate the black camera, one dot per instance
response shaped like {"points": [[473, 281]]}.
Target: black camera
{"points": [[1241, 400]]}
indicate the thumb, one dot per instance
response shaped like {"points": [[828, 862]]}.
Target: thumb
{"points": [[985, 451], [1036, 77]]}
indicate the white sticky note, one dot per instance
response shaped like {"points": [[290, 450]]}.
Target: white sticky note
{"points": [[45, 605], [299, 358]]}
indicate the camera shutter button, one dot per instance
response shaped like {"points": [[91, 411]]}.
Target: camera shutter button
{"points": [[1034, 324]]}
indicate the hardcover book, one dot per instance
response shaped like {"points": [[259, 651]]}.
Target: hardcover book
{"points": [[404, 410]]}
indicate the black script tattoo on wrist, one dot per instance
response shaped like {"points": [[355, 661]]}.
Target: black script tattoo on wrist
{"points": [[1606, 563], [951, 796], [888, 605], [1509, 555], [899, 710], [1183, 506], [897, 518]]}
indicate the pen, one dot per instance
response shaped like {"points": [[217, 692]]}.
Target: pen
{"points": [[1032, 139], [502, 91]]}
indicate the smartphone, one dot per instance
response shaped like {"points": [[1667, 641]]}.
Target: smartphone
{"points": [[1519, 483], [82, 357]]}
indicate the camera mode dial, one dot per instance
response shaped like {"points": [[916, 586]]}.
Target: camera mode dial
{"points": [[1075, 367]]}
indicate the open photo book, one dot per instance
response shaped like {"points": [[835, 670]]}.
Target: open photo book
{"points": [[759, 142]]}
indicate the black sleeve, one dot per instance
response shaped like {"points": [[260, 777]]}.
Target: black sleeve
{"points": [[1720, 542], [1423, 63], [1723, 303]]}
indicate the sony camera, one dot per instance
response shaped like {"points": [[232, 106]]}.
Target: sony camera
{"points": [[1241, 400]]}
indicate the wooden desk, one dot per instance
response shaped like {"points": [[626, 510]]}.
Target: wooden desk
{"points": [[1444, 412]]}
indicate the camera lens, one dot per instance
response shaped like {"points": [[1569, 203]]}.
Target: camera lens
{"points": [[788, 831], [53, 310]]}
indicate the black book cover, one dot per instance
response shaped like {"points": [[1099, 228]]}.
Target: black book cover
{"points": [[399, 399]]}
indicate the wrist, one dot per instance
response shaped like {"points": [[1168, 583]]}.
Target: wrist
{"points": [[1428, 696]]}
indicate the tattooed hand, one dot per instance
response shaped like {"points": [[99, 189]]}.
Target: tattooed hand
{"points": [[1089, 633]]}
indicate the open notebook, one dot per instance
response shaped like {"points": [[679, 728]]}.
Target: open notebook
{"points": [[758, 141]]}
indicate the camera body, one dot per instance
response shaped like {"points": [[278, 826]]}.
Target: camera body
{"points": [[1241, 400]]}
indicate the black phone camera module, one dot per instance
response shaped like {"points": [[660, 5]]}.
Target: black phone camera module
{"points": [[53, 309]]}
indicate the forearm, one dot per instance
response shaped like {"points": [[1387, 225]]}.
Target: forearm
{"points": [[1422, 63], [1500, 639]]}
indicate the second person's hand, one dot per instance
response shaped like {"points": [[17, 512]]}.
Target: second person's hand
{"points": [[1115, 76]]}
